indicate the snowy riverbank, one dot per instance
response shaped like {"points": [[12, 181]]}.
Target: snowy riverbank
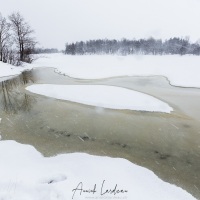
{"points": [[26, 174], [7, 70], [180, 70]]}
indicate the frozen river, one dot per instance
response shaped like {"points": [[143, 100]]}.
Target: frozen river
{"points": [[167, 144]]}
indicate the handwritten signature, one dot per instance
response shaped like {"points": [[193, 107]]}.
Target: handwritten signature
{"points": [[114, 191]]}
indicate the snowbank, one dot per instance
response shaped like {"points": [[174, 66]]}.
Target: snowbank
{"points": [[102, 96], [180, 70], [26, 174], [10, 70]]}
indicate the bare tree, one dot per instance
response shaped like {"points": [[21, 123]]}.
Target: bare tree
{"points": [[22, 32], [4, 38]]}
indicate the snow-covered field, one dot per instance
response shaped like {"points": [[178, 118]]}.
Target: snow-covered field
{"points": [[10, 70], [102, 96], [180, 70], [27, 175]]}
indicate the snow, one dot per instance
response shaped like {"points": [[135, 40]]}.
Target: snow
{"points": [[180, 70], [102, 96], [26, 175], [10, 70]]}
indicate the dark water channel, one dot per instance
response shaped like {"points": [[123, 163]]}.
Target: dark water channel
{"points": [[167, 144]]}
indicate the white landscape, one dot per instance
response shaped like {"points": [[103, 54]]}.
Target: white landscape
{"points": [[19, 182], [179, 70], [27, 175], [7, 70], [151, 151]]}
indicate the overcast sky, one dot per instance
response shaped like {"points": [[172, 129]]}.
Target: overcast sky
{"points": [[59, 21]]}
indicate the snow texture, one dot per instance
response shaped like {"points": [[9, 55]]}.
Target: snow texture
{"points": [[180, 70], [102, 96], [26, 175], [7, 70]]}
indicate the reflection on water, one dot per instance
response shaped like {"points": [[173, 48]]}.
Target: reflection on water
{"points": [[167, 144], [11, 98]]}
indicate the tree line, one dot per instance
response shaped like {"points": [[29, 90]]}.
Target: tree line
{"points": [[149, 46], [16, 40], [45, 50]]}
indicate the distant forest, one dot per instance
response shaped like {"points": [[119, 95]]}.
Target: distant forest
{"points": [[149, 46], [43, 51]]}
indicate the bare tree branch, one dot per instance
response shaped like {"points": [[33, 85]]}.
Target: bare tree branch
{"points": [[22, 36], [4, 36]]}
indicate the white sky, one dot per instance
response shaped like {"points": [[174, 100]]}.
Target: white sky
{"points": [[59, 21]]}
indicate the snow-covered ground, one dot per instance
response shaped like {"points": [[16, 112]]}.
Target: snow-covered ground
{"points": [[102, 96], [26, 175], [180, 70], [10, 70]]}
